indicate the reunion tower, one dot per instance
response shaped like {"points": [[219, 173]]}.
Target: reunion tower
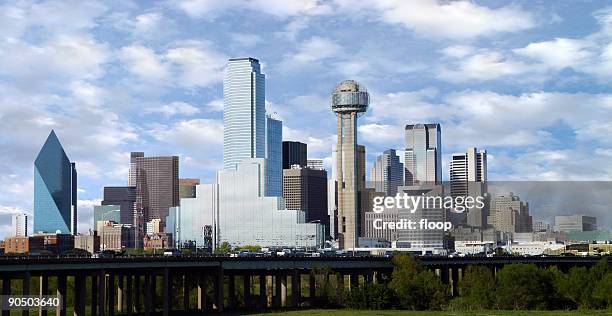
{"points": [[348, 100]]}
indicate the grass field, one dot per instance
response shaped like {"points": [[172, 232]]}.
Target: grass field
{"points": [[346, 312]]}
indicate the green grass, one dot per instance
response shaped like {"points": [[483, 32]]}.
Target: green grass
{"points": [[347, 312]]}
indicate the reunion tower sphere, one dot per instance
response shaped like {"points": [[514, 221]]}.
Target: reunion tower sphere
{"points": [[350, 96]]}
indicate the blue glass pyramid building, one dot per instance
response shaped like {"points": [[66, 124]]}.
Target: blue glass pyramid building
{"points": [[55, 190]]}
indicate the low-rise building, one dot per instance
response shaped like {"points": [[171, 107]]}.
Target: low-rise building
{"points": [[115, 236], [158, 241], [90, 242], [23, 244]]}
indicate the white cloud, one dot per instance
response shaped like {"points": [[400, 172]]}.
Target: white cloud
{"points": [[277, 8], [246, 40], [447, 19], [215, 105], [196, 132], [144, 63], [484, 65], [188, 64], [175, 108], [310, 52], [558, 53]]}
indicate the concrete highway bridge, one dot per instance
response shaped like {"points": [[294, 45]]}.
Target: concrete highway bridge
{"points": [[131, 285]]}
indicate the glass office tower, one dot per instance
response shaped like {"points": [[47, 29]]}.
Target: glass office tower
{"points": [[55, 190], [244, 112], [274, 156], [423, 156]]}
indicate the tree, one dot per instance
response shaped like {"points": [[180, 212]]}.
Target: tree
{"points": [[523, 286], [602, 293], [477, 288], [415, 287], [251, 248], [369, 296], [576, 286], [224, 248]]}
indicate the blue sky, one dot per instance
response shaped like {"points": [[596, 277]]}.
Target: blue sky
{"points": [[527, 80]]}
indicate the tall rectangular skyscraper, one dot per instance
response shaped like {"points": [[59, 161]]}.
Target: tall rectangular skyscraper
{"points": [[387, 173], [274, 157], [423, 157], [468, 176], [294, 153], [55, 189], [157, 184], [244, 112], [19, 225]]}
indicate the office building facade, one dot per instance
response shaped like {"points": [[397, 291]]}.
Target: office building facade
{"points": [[157, 184], [387, 173], [274, 157], [305, 189], [55, 190], [510, 215], [19, 225], [468, 177], [294, 153], [244, 112], [314, 163], [106, 213], [423, 155], [570, 223]]}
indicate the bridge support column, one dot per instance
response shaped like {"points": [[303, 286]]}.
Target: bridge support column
{"points": [[167, 288], [231, 288], [219, 289], [6, 290], [277, 289], [283, 298], [111, 294], [270, 292], [312, 288], [147, 295], [185, 292], [25, 289], [246, 284], [455, 280], [444, 275], [129, 306], [94, 295], [43, 290], [296, 288], [369, 276], [102, 293], [79, 294], [263, 293], [61, 293], [202, 283], [120, 294], [137, 293]]}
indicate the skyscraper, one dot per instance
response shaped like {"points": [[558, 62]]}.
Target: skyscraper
{"points": [[387, 173], [423, 157], [157, 185], [348, 100], [274, 156], [19, 225], [55, 190], [510, 214], [125, 198], [468, 177], [315, 163], [294, 153], [244, 112], [305, 189]]}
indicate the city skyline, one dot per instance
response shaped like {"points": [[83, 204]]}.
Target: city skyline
{"points": [[162, 121]]}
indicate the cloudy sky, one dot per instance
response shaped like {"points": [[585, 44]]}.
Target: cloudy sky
{"points": [[530, 81]]}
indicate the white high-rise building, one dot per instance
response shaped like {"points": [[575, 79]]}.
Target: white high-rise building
{"points": [[314, 163], [468, 177], [235, 210], [387, 173], [244, 112], [423, 156], [19, 227]]}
